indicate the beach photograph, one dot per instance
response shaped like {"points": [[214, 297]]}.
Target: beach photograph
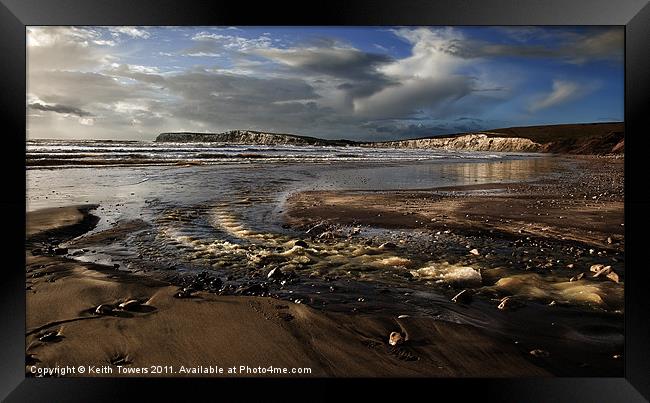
{"points": [[378, 201]]}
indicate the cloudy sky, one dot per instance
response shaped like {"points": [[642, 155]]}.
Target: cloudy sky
{"points": [[355, 83]]}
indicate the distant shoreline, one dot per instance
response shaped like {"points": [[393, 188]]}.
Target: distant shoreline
{"points": [[583, 138]]}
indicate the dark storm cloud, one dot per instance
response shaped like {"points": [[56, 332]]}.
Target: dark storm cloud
{"points": [[206, 85], [605, 44], [63, 109], [357, 68], [416, 97], [400, 130], [229, 100]]}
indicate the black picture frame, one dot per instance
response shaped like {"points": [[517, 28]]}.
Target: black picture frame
{"points": [[15, 15]]}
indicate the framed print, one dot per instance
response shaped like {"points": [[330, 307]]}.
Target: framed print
{"points": [[255, 200]]}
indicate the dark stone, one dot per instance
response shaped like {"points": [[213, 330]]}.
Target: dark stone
{"points": [[130, 304], [104, 309], [301, 243], [183, 293], [52, 335], [120, 360], [60, 251], [540, 353]]}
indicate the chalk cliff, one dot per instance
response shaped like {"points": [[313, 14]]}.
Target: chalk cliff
{"points": [[467, 142], [584, 138], [247, 137]]}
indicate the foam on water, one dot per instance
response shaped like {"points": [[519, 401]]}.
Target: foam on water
{"points": [[600, 293], [445, 272], [79, 153]]}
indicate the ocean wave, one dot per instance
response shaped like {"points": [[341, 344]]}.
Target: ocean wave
{"points": [[69, 153]]}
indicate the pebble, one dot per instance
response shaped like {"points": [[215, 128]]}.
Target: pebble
{"points": [[395, 338], [604, 271], [576, 278], [509, 303], [327, 235], [540, 353], [274, 274], [474, 252], [183, 293], [60, 251], [104, 309], [301, 243], [132, 303], [49, 336], [462, 297], [613, 276]]}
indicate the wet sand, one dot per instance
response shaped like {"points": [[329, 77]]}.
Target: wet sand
{"points": [[524, 248], [571, 207], [205, 329]]}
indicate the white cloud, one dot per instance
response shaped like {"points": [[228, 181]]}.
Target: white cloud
{"points": [[64, 48], [234, 42], [132, 32], [562, 92], [427, 78], [138, 68], [104, 42], [50, 36], [202, 54]]}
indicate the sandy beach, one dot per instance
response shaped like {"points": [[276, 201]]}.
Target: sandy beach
{"points": [[531, 244], [208, 330], [587, 210]]}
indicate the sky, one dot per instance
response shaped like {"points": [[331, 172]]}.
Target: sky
{"points": [[358, 83]]}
